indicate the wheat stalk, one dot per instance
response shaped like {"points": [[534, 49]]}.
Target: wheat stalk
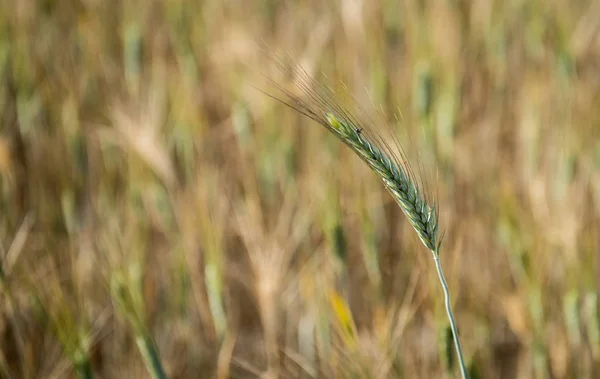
{"points": [[321, 105]]}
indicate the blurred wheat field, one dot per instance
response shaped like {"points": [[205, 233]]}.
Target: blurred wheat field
{"points": [[160, 217]]}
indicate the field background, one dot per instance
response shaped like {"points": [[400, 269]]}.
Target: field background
{"points": [[158, 213]]}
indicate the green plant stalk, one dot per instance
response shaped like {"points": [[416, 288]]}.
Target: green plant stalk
{"points": [[448, 304], [125, 302], [84, 370], [150, 355]]}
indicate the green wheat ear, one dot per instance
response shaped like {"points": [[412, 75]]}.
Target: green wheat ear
{"points": [[320, 103], [397, 178]]}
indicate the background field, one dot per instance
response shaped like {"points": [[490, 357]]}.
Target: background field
{"points": [[152, 201]]}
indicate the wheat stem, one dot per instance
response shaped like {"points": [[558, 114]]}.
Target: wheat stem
{"points": [[447, 302], [150, 355]]}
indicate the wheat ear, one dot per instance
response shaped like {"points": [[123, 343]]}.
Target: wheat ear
{"points": [[352, 128]]}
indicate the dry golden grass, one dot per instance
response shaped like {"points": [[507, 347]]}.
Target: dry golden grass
{"points": [[160, 217]]}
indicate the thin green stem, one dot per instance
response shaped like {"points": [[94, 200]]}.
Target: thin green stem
{"points": [[84, 369], [461, 361], [151, 357]]}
